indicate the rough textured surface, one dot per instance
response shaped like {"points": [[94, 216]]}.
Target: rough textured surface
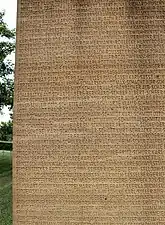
{"points": [[89, 120]]}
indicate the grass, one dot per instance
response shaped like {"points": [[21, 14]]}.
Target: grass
{"points": [[5, 188]]}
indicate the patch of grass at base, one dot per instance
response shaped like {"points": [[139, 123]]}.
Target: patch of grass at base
{"points": [[5, 188]]}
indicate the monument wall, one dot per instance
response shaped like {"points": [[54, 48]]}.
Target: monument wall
{"points": [[89, 113]]}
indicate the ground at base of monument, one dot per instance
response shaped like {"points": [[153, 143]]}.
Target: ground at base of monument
{"points": [[5, 188]]}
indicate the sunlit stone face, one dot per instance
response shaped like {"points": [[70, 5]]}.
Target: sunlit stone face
{"points": [[89, 113]]}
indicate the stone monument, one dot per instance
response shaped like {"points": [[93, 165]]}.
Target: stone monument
{"points": [[89, 114]]}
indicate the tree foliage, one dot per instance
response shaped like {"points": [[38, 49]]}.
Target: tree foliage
{"points": [[7, 46], [6, 131]]}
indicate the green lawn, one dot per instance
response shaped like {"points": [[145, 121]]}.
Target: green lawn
{"points": [[5, 188]]}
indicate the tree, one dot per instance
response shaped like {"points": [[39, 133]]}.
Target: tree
{"points": [[7, 46], [6, 130]]}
